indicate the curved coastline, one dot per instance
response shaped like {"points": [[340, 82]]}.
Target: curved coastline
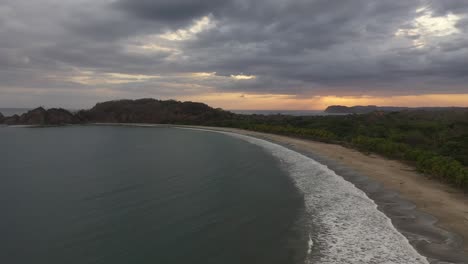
{"points": [[423, 231], [420, 228], [347, 227]]}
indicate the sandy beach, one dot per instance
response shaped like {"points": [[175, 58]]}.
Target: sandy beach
{"points": [[439, 216]]}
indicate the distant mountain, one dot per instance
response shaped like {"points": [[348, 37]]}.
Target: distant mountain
{"points": [[340, 109], [124, 111]]}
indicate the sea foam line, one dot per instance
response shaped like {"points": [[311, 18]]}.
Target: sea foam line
{"points": [[350, 227]]}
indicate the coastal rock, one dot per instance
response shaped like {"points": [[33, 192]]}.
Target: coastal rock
{"points": [[58, 116], [12, 120], [40, 116], [33, 117], [2, 118]]}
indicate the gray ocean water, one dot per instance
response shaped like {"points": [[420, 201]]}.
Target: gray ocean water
{"points": [[142, 195], [122, 194]]}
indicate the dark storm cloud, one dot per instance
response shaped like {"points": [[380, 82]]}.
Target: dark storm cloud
{"points": [[299, 47], [444, 7], [174, 11]]}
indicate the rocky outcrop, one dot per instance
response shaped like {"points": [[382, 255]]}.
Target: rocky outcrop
{"points": [[33, 117], [2, 118], [40, 116], [58, 116], [12, 120]]}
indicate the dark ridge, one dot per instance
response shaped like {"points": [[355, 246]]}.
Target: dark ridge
{"points": [[126, 111], [152, 111], [40, 116], [2, 118], [11, 120]]}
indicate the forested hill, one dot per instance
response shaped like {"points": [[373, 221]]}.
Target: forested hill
{"points": [[125, 111], [153, 111]]}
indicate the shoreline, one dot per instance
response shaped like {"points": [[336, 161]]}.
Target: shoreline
{"points": [[433, 216]]}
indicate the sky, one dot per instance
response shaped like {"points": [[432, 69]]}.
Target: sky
{"points": [[234, 54]]}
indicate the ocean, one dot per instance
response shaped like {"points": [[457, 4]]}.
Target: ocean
{"points": [[118, 194]]}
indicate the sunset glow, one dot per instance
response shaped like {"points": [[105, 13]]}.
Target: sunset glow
{"points": [[282, 54], [238, 101]]}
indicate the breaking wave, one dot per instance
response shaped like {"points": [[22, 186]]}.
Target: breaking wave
{"points": [[345, 225]]}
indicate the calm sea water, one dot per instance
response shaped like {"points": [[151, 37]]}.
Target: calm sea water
{"points": [[110, 194], [142, 195]]}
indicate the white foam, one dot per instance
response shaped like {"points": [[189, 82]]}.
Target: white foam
{"points": [[350, 227], [310, 245]]}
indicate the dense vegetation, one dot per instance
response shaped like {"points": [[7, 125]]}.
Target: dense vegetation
{"points": [[436, 142], [152, 111]]}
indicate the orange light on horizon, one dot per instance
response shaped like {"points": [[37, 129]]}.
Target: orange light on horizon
{"points": [[239, 101]]}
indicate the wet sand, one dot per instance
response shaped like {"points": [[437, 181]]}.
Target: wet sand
{"points": [[432, 215]]}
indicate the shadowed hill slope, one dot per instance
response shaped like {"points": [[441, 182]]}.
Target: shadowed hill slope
{"points": [[152, 111]]}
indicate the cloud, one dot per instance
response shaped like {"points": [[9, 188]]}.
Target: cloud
{"points": [[298, 48]]}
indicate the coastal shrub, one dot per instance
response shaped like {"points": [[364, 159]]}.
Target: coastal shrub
{"points": [[435, 142], [318, 134], [440, 167], [444, 168]]}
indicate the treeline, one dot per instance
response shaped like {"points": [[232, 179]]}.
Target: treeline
{"points": [[444, 168], [315, 133], [435, 142]]}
